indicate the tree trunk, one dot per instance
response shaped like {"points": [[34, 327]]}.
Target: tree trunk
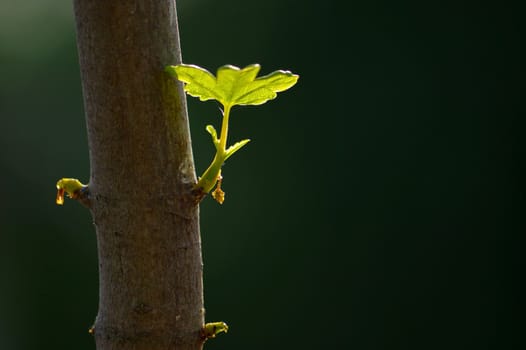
{"points": [[142, 173]]}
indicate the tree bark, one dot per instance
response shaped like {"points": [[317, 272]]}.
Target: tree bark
{"points": [[142, 173]]}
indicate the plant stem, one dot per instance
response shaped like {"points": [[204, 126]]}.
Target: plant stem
{"points": [[209, 178], [142, 175], [224, 129]]}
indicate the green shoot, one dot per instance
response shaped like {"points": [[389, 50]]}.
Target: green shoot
{"points": [[233, 86], [72, 187], [210, 330]]}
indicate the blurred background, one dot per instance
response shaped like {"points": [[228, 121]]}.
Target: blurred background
{"points": [[377, 206]]}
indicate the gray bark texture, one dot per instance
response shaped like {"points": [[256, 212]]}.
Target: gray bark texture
{"points": [[142, 173]]}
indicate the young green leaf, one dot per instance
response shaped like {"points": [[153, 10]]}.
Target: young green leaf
{"points": [[201, 83], [233, 86], [212, 131], [235, 147]]}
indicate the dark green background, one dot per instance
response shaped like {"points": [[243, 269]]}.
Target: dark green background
{"points": [[377, 206]]}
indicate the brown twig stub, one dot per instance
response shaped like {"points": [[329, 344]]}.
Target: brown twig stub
{"points": [[83, 196], [198, 194]]}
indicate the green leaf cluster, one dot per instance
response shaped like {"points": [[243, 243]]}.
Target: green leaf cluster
{"points": [[232, 86]]}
